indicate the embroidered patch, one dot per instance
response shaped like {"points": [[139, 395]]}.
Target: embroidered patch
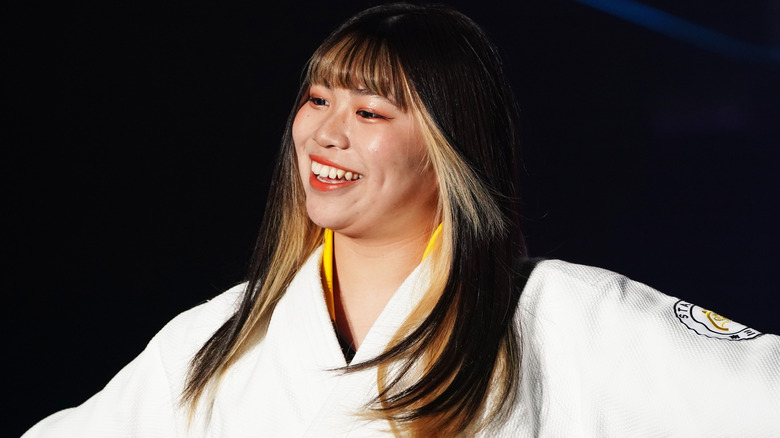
{"points": [[708, 323]]}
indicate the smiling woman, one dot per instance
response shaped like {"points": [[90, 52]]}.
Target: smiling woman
{"points": [[366, 176], [390, 291], [392, 190]]}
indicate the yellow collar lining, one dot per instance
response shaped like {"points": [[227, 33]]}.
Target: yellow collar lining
{"points": [[327, 266]]}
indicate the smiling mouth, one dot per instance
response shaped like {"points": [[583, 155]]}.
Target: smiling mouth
{"points": [[333, 175]]}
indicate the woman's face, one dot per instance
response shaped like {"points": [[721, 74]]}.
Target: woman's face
{"points": [[363, 165]]}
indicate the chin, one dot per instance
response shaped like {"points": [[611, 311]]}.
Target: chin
{"points": [[326, 219]]}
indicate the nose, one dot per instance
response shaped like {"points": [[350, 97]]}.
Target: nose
{"points": [[333, 130]]}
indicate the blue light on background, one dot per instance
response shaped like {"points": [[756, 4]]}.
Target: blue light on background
{"points": [[683, 30]]}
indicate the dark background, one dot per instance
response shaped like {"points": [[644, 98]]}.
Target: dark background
{"points": [[140, 138]]}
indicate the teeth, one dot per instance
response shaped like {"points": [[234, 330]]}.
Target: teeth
{"points": [[324, 171]]}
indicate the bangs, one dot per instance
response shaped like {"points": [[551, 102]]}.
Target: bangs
{"points": [[360, 62]]}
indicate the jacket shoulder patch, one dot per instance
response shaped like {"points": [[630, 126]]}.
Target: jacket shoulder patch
{"points": [[708, 323]]}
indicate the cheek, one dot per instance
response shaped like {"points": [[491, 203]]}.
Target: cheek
{"points": [[416, 155], [299, 128], [299, 136], [405, 151]]}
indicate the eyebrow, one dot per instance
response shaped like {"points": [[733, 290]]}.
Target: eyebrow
{"points": [[356, 91], [362, 92]]}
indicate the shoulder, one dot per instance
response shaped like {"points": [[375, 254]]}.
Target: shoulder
{"points": [[559, 273], [191, 329], [171, 350], [657, 360], [601, 318], [568, 286], [598, 300]]}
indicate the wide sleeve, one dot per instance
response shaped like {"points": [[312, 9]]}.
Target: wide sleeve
{"points": [[137, 402], [142, 400], [608, 356]]}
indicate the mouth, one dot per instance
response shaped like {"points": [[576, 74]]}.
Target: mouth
{"points": [[326, 176], [330, 174]]}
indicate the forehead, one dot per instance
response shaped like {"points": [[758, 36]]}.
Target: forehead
{"points": [[364, 65]]}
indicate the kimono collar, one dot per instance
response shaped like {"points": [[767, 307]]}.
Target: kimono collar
{"points": [[327, 266]]}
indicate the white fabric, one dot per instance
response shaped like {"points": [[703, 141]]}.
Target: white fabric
{"points": [[602, 356]]}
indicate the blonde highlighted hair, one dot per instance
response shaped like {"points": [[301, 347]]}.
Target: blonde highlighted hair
{"points": [[438, 65]]}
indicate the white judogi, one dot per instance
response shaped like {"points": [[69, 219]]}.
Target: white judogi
{"points": [[602, 356]]}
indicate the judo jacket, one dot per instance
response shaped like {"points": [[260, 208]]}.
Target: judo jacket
{"points": [[602, 356]]}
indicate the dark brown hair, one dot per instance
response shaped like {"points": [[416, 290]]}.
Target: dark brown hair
{"points": [[440, 65]]}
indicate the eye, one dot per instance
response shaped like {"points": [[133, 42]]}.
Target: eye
{"points": [[317, 101], [369, 115]]}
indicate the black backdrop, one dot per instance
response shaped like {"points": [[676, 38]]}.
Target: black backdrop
{"points": [[140, 138]]}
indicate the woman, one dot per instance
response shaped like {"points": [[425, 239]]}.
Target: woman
{"points": [[390, 292]]}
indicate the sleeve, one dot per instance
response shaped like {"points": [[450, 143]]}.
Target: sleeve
{"points": [[137, 402], [142, 400], [614, 357]]}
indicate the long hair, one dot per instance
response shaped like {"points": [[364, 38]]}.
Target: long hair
{"points": [[453, 367]]}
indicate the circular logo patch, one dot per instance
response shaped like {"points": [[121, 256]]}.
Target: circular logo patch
{"points": [[708, 323]]}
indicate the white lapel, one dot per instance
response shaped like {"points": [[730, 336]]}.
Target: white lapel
{"points": [[286, 385], [354, 390]]}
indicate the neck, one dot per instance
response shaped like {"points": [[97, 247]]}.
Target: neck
{"points": [[367, 272]]}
